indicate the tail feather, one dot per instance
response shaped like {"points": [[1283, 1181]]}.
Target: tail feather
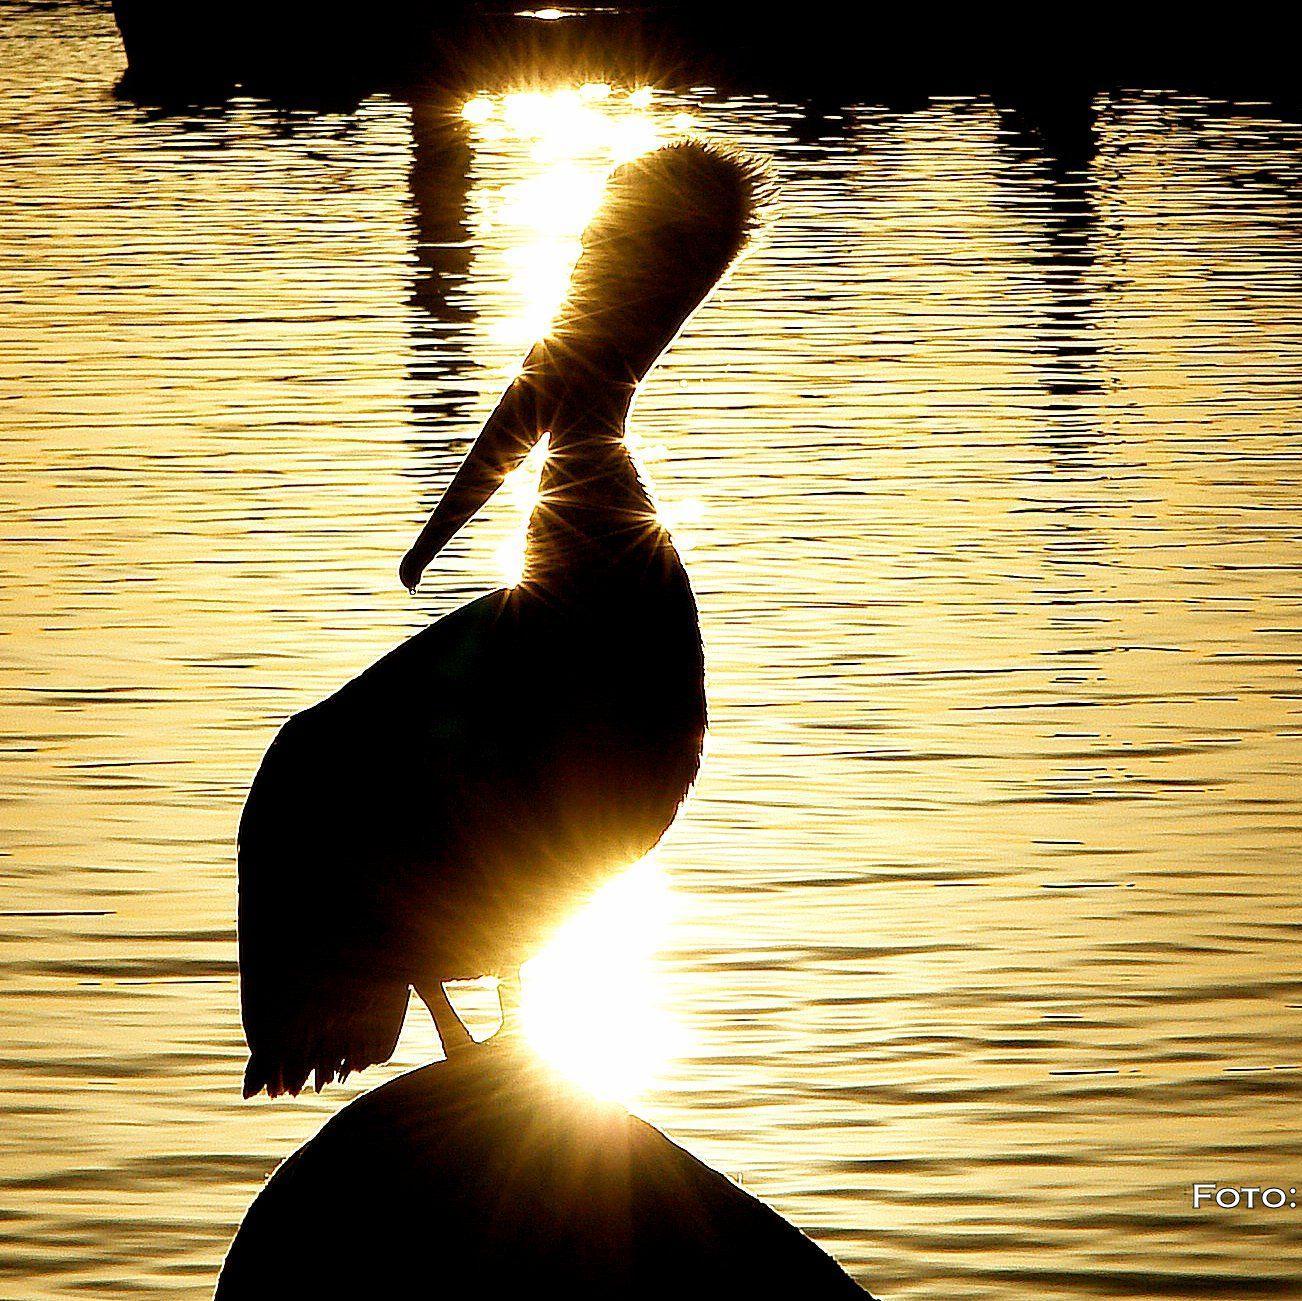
{"points": [[322, 988], [322, 1034]]}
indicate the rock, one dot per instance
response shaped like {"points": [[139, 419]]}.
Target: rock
{"points": [[489, 1171]]}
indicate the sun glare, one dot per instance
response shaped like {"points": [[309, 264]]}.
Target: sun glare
{"points": [[573, 136], [521, 489], [591, 1002]]}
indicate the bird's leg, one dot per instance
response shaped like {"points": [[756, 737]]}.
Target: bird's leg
{"points": [[508, 1002], [452, 1034]]}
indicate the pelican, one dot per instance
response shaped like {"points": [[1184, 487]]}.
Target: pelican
{"points": [[436, 818]]}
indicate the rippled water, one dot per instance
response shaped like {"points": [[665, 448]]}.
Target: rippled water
{"points": [[985, 926]]}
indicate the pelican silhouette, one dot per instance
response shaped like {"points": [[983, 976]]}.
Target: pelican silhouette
{"points": [[438, 815]]}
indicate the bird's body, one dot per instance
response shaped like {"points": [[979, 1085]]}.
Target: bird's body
{"points": [[437, 816], [450, 803]]}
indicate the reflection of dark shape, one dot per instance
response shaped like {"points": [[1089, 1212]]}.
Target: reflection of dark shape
{"points": [[489, 1174], [439, 815], [1056, 129], [439, 182], [1058, 125]]}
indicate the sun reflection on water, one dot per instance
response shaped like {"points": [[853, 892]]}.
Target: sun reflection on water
{"points": [[521, 488], [572, 137], [591, 1002], [575, 135]]}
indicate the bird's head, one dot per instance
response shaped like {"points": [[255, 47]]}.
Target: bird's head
{"points": [[670, 224]]}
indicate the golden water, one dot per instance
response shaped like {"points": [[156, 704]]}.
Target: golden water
{"points": [[979, 937]]}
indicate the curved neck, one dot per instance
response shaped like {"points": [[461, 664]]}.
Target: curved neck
{"points": [[594, 515]]}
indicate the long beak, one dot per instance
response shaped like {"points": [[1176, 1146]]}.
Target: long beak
{"points": [[517, 422]]}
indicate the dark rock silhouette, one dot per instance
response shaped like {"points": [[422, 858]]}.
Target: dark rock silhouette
{"points": [[490, 1173], [437, 817]]}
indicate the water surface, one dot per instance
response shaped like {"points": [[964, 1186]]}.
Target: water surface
{"points": [[980, 943]]}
